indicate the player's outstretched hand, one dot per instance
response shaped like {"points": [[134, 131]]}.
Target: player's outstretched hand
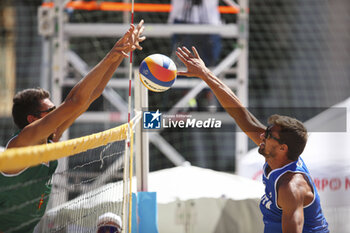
{"points": [[136, 37], [194, 64], [130, 41]]}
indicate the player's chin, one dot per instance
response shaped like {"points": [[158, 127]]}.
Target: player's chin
{"points": [[261, 150]]}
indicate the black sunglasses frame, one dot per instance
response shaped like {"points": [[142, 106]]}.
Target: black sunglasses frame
{"points": [[38, 114], [268, 134]]}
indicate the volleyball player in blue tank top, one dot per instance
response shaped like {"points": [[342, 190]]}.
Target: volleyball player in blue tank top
{"points": [[314, 220], [291, 202]]}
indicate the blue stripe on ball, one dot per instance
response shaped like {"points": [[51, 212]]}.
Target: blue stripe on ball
{"points": [[166, 62], [144, 70]]}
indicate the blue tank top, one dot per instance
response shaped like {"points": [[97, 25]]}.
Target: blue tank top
{"points": [[314, 220]]}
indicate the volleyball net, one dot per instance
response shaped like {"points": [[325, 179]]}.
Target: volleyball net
{"points": [[96, 180]]}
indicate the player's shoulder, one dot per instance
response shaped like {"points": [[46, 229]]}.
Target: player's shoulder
{"points": [[14, 136], [12, 142], [292, 182]]}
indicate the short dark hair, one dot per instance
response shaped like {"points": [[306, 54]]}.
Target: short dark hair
{"points": [[27, 102], [292, 133]]}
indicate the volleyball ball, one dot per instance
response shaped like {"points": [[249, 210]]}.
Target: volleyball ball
{"points": [[157, 72]]}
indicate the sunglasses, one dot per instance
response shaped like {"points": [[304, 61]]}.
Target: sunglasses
{"points": [[44, 111], [109, 229], [268, 134]]}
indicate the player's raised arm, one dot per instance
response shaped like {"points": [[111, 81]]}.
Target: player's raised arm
{"points": [[91, 86], [133, 42], [82, 94], [196, 68]]}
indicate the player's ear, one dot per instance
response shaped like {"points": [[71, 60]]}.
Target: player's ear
{"points": [[284, 147], [31, 118]]}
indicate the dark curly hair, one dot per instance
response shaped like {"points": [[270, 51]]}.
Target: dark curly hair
{"points": [[292, 133], [27, 102]]}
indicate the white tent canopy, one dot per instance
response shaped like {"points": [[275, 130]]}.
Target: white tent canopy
{"points": [[189, 182], [327, 155], [193, 199]]}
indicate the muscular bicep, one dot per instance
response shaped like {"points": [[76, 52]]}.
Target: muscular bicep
{"points": [[293, 219], [291, 200]]}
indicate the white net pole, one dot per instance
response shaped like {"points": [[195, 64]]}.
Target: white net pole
{"points": [[141, 139], [128, 157]]}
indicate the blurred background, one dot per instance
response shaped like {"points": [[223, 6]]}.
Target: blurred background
{"points": [[298, 59], [298, 65]]}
